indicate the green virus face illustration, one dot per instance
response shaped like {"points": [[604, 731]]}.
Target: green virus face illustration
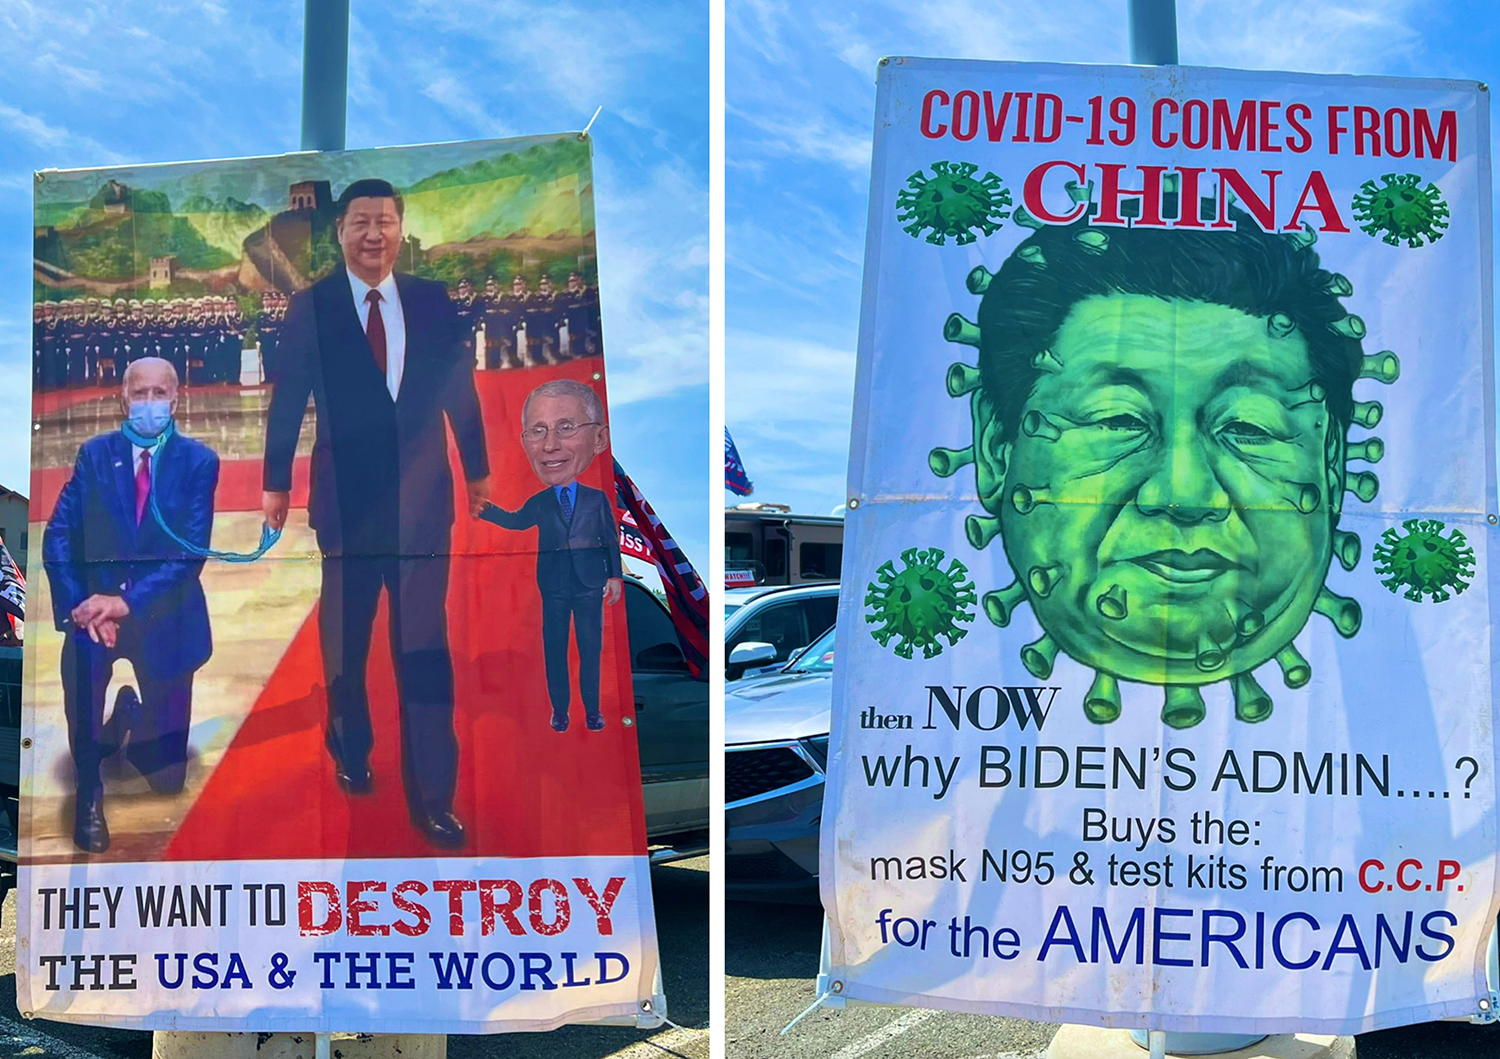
{"points": [[1423, 561], [1401, 208], [1161, 443], [952, 202], [920, 603]]}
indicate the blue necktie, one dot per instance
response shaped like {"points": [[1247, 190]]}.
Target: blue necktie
{"points": [[567, 505]]}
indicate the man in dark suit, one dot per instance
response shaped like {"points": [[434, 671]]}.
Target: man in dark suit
{"points": [[578, 542], [384, 359], [122, 588]]}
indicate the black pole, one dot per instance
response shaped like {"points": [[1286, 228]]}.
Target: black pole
{"points": [[1153, 32], [325, 74]]}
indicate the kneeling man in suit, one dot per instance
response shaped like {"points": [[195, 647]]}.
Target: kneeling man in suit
{"points": [[578, 543], [122, 588]]}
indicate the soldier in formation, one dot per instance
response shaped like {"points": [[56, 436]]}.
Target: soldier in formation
{"points": [[523, 328], [89, 341]]}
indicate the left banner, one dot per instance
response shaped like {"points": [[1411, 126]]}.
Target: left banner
{"points": [[329, 721]]}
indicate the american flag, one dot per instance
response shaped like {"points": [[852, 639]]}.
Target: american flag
{"points": [[735, 479], [12, 592], [687, 599]]}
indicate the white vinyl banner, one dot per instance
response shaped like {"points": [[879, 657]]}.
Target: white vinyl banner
{"points": [[1165, 693]]}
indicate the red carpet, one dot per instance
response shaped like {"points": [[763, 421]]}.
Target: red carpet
{"points": [[524, 790]]}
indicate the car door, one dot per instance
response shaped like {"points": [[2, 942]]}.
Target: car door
{"points": [[671, 717]]}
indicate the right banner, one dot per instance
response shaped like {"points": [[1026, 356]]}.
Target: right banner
{"points": [[1165, 696]]}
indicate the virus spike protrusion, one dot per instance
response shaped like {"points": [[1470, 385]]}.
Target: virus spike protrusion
{"points": [[1025, 220], [981, 530], [1347, 547], [1279, 325], [962, 379], [1303, 239], [957, 329], [1341, 610], [1045, 361], [1245, 617], [1307, 497], [1367, 413], [1025, 498], [1251, 703], [1312, 393], [945, 463], [1043, 579], [1038, 657], [1102, 703], [1338, 285], [1349, 326], [1036, 425], [1384, 367], [1112, 604], [1364, 485], [1001, 604], [1079, 193], [1370, 450], [1032, 255], [1093, 240], [978, 280], [1210, 655], [1295, 671], [1183, 707]]}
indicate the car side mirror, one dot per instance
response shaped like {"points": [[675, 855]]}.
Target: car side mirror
{"points": [[662, 657], [752, 653]]}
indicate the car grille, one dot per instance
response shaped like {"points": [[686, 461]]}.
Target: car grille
{"points": [[748, 773]]}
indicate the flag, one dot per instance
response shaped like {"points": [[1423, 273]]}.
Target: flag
{"points": [[735, 479], [12, 592], [687, 599], [632, 543]]}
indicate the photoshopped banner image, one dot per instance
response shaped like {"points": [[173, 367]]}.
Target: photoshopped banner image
{"points": [[1166, 686], [329, 720]]}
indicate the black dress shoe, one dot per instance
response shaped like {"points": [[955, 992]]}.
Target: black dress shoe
{"points": [[90, 832], [559, 722], [355, 779], [123, 719], [594, 721], [440, 827]]}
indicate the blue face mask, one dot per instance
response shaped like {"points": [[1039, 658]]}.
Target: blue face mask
{"points": [[149, 418]]}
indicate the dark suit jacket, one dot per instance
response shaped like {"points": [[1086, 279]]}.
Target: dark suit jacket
{"points": [[380, 478], [588, 547], [92, 545]]}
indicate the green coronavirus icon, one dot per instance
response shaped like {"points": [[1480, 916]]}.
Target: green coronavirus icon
{"points": [[1423, 561], [1161, 444], [1401, 208], [921, 603], [952, 202]]}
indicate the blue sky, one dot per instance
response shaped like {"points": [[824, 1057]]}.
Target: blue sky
{"points": [[86, 83], [800, 88]]}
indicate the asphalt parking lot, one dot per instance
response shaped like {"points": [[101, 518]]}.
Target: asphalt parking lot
{"points": [[771, 959], [681, 892]]}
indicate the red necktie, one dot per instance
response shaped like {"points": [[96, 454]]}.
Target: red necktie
{"points": [[142, 485], [375, 330]]}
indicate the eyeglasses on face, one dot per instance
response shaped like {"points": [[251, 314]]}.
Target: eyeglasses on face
{"points": [[562, 431]]}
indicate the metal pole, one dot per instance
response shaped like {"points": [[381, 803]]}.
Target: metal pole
{"points": [[323, 1042], [1153, 42], [1153, 32], [325, 74]]}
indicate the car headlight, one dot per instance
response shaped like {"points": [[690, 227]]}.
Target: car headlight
{"points": [[817, 746]]}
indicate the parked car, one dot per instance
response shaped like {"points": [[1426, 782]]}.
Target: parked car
{"points": [[776, 751], [766, 625]]}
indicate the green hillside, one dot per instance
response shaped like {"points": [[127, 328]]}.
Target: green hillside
{"points": [[223, 223], [538, 192], [105, 245]]}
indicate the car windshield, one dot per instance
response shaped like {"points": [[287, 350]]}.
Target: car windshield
{"points": [[818, 658], [730, 608]]}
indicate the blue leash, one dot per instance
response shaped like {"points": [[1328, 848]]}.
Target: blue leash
{"points": [[268, 536]]}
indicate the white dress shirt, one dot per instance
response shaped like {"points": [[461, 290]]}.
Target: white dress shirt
{"points": [[136, 463], [394, 320]]}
